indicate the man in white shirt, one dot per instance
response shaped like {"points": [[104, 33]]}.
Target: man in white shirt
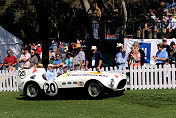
{"points": [[172, 26], [24, 59]]}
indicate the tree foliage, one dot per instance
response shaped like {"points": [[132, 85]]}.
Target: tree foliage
{"points": [[66, 17]]}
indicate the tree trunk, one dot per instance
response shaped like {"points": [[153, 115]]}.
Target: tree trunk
{"points": [[86, 6], [125, 17], [42, 12]]}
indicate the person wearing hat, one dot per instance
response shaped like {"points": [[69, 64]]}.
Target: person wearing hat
{"points": [[173, 53], [94, 60], [50, 73], [121, 56], [79, 58], [10, 60], [24, 59]]}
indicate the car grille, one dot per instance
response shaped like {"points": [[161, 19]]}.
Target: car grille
{"points": [[121, 84]]}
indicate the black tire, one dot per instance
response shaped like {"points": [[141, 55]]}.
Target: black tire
{"points": [[94, 89], [32, 91]]}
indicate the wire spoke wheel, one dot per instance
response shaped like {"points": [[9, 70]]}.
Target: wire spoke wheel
{"points": [[32, 91], [94, 90]]}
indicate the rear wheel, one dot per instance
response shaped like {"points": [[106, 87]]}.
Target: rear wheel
{"points": [[95, 89], [32, 90]]}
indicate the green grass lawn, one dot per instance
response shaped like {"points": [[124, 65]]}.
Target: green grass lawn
{"points": [[134, 104]]}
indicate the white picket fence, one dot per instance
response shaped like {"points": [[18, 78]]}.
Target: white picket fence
{"points": [[9, 80], [147, 77]]}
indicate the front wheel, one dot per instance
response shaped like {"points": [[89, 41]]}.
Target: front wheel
{"points": [[32, 90], [95, 89]]}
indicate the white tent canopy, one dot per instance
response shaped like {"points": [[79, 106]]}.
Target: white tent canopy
{"points": [[9, 42]]}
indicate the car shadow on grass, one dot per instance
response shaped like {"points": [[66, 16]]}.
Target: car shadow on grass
{"points": [[72, 95]]}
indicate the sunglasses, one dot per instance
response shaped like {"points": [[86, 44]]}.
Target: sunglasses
{"points": [[32, 52]]}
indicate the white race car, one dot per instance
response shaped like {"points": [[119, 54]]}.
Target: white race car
{"points": [[95, 83]]}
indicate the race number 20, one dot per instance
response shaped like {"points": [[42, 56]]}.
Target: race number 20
{"points": [[50, 88]]}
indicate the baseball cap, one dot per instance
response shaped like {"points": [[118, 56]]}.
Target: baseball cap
{"points": [[50, 65], [93, 47], [164, 39]]}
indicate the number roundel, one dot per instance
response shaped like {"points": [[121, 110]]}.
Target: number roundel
{"points": [[50, 88], [22, 73]]}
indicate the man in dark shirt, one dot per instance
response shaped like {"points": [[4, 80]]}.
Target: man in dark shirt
{"points": [[166, 46], [173, 53], [94, 60]]}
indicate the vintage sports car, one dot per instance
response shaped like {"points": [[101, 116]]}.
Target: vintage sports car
{"points": [[32, 84]]}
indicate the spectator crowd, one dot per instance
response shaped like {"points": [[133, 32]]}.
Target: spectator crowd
{"points": [[159, 20], [71, 56], [166, 54]]}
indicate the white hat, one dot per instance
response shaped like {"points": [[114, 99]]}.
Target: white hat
{"points": [[38, 45], [50, 65], [119, 45], [93, 48]]}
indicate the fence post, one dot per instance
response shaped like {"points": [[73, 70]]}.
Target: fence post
{"points": [[139, 78], [156, 76], [147, 76], [151, 80], [111, 69], [17, 78], [131, 78], [173, 75], [102, 69], [143, 77], [135, 78], [169, 76], [10, 79], [7, 80], [115, 68], [106, 69], [3, 80], [165, 71], [160, 76]]}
